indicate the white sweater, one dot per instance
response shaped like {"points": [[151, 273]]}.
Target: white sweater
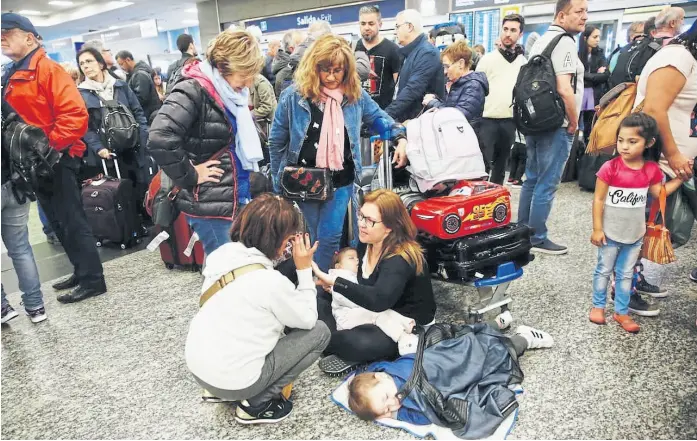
{"points": [[502, 76], [233, 332]]}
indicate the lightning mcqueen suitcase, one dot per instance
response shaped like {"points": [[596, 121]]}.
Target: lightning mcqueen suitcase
{"points": [[462, 259]]}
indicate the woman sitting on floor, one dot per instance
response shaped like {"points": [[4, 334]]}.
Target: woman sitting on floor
{"points": [[392, 274]]}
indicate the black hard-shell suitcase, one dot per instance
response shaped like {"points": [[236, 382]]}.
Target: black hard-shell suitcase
{"points": [[588, 167], [481, 253], [111, 209]]}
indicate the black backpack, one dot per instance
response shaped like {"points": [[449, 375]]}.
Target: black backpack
{"points": [[632, 59], [119, 130], [31, 158], [537, 106]]}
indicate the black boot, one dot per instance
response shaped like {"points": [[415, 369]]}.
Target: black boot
{"points": [[82, 292], [70, 282]]}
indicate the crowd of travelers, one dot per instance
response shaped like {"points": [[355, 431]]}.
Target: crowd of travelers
{"points": [[214, 123]]}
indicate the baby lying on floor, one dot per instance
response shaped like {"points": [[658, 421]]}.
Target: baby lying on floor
{"points": [[483, 382], [348, 315]]}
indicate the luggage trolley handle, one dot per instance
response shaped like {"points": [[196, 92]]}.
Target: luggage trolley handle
{"points": [[384, 129], [116, 165]]}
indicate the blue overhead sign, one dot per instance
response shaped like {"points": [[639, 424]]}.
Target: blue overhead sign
{"points": [[335, 16]]}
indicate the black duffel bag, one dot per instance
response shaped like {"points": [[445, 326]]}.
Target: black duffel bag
{"points": [[588, 167]]}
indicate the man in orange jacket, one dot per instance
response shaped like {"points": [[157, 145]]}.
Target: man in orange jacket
{"points": [[44, 95]]}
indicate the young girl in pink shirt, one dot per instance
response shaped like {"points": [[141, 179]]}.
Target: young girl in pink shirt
{"points": [[619, 208]]}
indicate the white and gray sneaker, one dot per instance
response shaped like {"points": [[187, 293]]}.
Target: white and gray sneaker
{"points": [[504, 320], [536, 339]]}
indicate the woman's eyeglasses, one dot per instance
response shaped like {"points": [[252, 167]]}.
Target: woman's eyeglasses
{"points": [[329, 70], [367, 221]]}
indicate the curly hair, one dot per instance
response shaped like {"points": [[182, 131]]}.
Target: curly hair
{"points": [[235, 52], [325, 51]]}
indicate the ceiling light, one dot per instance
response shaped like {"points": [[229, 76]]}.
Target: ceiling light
{"points": [[191, 22], [29, 12], [193, 10], [60, 3]]}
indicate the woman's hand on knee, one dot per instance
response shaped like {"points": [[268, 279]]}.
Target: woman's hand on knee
{"points": [[303, 251]]}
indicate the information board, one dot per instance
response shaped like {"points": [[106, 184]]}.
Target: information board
{"points": [[467, 19], [486, 28]]}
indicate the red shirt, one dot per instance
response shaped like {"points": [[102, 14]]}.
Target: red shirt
{"points": [[45, 95]]}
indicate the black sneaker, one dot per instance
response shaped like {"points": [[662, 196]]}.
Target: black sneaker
{"points": [[37, 315], [549, 247], [693, 275], [337, 367], [8, 313], [639, 306], [271, 412], [654, 291]]}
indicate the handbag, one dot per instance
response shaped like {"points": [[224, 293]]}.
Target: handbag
{"points": [[306, 183], [680, 217], [657, 246], [159, 200]]}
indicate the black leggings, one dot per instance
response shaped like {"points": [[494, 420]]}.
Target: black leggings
{"points": [[363, 344]]}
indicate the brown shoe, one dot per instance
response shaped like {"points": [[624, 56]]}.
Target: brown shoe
{"points": [[626, 322], [597, 316]]}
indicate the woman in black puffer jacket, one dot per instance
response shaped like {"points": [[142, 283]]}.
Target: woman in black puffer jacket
{"points": [[204, 137], [595, 77]]}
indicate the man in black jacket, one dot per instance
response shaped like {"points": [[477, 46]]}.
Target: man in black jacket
{"points": [[185, 44], [421, 72], [140, 81]]}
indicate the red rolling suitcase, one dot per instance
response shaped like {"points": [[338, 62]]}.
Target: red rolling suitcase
{"points": [[181, 248]]}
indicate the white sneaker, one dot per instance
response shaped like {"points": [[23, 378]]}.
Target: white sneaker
{"points": [[504, 320], [536, 339]]}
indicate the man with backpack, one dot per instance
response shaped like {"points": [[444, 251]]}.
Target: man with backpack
{"points": [[547, 102], [44, 95], [185, 44], [141, 82]]}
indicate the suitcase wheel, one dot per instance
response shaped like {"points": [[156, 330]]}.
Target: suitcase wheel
{"points": [[99, 243], [195, 268], [123, 246], [169, 266]]}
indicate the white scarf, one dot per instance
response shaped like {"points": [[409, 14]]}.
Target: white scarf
{"points": [[247, 144], [105, 90]]}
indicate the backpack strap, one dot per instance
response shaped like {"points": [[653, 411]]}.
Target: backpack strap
{"points": [[553, 45]]}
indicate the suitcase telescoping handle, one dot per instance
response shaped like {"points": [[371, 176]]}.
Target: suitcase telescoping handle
{"points": [[384, 129], [116, 165]]}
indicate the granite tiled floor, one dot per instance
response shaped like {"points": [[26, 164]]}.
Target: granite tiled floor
{"points": [[113, 367]]}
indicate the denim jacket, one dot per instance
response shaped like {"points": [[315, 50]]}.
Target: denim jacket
{"points": [[292, 119]]}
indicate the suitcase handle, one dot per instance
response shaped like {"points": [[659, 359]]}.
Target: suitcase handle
{"points": [[116, 164]]}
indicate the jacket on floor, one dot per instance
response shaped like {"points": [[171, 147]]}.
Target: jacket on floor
{"points": [[469, 367], [44, 95], [124, 95], [191, 128], [292, 120], [140, 81], [421, 74], [467, 95], [234, 331], [591, 77]]}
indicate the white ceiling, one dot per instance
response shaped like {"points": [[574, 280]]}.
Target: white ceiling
{"points": [[89, 15]]}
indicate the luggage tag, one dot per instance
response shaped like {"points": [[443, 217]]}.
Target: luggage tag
{"points": [[97, 183], [190, 247], [155, 243]]}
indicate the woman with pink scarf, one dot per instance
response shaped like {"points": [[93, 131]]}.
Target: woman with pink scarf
{"points": [[316, 135]]}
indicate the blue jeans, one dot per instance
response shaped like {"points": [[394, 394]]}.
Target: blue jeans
{"points": [[547, 156], [326, 222], [212, 232], [44, 221], [15, 236], [621, 258]]}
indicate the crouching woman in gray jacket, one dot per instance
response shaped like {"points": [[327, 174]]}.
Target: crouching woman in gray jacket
{"points": [[236, 347]]}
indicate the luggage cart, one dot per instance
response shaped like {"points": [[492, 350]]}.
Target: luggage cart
{"points": [[492, 291]]}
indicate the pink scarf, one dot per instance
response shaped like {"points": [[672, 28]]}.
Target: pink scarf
{"points": [[330, 152]]}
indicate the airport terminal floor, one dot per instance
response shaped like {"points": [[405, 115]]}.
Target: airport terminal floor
{"points": [[113, 366]]}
